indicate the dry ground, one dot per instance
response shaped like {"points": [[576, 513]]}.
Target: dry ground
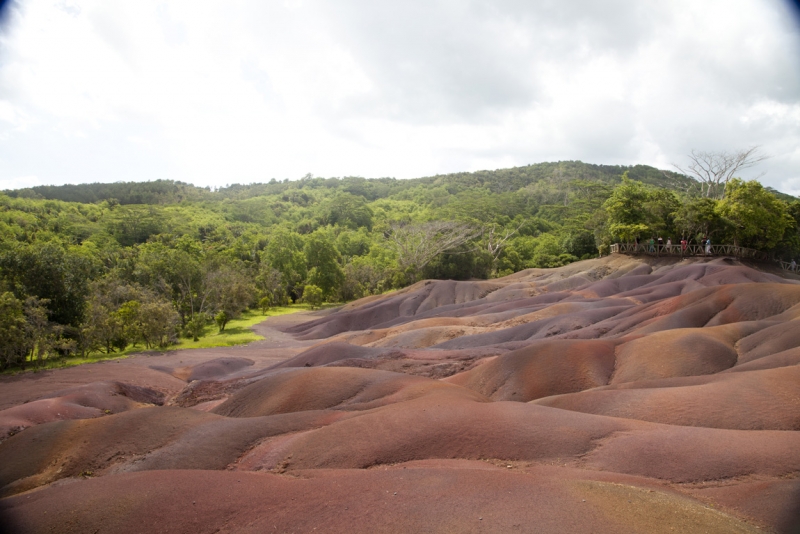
{"points": [[611, 395]]}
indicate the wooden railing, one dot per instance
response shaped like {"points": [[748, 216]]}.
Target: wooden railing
{"points": [[682, 251], [789, 266]]}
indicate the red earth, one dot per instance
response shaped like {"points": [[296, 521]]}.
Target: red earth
{"points": [[611, 395]]}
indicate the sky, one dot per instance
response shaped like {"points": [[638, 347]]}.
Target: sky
{"points": [[215, 93]]}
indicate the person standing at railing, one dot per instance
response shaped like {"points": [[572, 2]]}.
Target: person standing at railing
{"points": [[669, 245], [636, 241], [708, 246], [684, 244], [652, 243], [793, 265]]}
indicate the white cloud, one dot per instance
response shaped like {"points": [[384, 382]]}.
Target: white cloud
{"points": [[19, 182], [216, 93]]}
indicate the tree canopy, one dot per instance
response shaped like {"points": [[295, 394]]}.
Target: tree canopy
{"points": [[100, 268]]}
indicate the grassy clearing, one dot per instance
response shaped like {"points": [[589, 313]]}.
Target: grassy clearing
{"points": [[237, 332]]}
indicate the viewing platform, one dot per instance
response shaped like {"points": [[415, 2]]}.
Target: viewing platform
{"points": [[687, 251], [692, 251]]}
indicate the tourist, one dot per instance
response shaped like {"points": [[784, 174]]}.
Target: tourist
{"points": [[669, 245], [652, 243], [793, 265], [684, 244], [708, 246]]}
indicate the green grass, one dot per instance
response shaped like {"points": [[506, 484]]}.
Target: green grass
{"points": [[237, 332]]}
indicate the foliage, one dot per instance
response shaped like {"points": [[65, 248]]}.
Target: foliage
{"points": [[324, 262], [312, 295], [418, 244], [196, 326], [105, 268], [25, 333], [626, 210], [265, 303], [757, 218]]}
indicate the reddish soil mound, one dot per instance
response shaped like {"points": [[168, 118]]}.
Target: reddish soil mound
{"points": [[543, 368], [216, 368], [753, 400], [611, 395], [455, 497], [339, 388], [329, 353], [82, 402]]}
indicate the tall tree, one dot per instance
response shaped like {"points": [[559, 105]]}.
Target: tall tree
{"points": [[759, 219], [417, 244], [323, 259], [626, 209], [715, 169], [284, 253]]}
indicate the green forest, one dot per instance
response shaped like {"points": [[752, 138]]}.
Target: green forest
{"points": [[96, 268]]}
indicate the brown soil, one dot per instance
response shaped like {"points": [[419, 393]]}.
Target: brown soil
{"points": [[611, 395]]}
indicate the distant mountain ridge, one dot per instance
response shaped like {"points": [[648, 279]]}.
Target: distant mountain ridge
{"points": [[558, 174]]}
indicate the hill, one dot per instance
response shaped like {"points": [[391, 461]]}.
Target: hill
{"points": [[558, 174], [610, 395], [100, 267]]}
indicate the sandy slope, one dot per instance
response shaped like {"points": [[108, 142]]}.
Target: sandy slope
{"points": [[611, 395]]}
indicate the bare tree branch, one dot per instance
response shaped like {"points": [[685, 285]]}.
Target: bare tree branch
{"points": [[495, 243], [418, 244], [714, 169]]}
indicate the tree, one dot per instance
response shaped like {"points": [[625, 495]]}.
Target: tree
{"points": [[120, 313], [270, 286], [495, 243], [176, 273], [759, 219], [549, 253], [361, 278], [228, 289], [50, 272], [196, 326], [417, 244], [221, 319], [159, 323], [312, 295], [660, 208], [346, 209], [715, 169], [625, 209], [102, 329], [265, 303], [284, 253], [699, 216], [789, 246], [13, 342], [25, 332], [323, 260]]}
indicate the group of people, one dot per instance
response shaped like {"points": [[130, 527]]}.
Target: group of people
{"points": [[669, 247]]}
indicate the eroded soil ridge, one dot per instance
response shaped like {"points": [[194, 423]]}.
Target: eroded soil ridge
{"points": [[612, 395]]}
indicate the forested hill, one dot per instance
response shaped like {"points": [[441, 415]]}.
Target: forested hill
{"points": [[100, 266], [558, 174]]}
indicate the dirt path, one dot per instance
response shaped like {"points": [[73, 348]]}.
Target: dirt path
{"points": [[138, 369]]}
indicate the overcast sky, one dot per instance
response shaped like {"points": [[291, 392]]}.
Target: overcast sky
{"points": [[214, 93]]}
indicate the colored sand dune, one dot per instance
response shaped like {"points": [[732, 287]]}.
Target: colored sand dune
{"points": [[612, 395]]}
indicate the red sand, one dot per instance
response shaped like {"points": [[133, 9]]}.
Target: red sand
{"points": [[612, 395]]}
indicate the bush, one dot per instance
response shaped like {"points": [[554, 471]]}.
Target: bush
{"points": [[312, 295], [196, 327], [221, 319], [265, 304]]}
